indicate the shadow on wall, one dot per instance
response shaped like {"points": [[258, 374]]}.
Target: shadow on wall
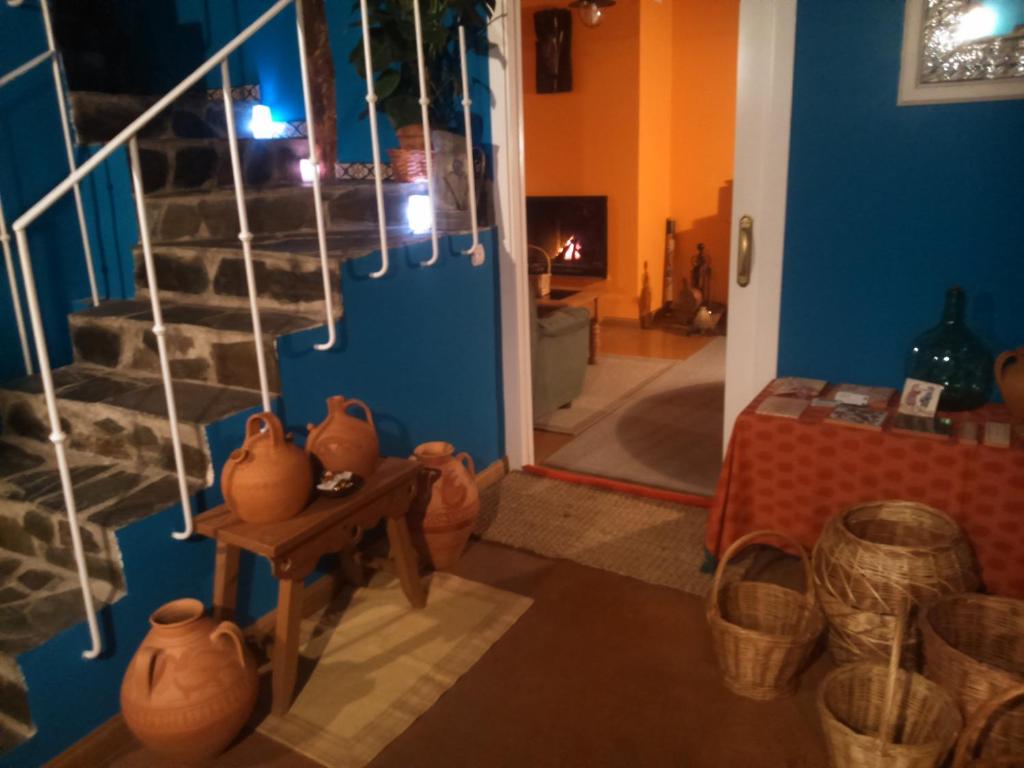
{"points": [[713, 231]]}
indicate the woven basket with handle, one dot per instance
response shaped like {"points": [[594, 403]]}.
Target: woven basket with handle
{"points": [[762, 633], [982, 722], [871, 559], [974, 648], [884, 717]]}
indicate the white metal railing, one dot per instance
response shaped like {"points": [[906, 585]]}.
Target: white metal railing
{"points": [[425, 117], [371, 105], [51, 55], [128, 136], [476, 250]]}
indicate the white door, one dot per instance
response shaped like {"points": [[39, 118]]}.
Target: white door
{"points": [[763, 102], [764, 97]]}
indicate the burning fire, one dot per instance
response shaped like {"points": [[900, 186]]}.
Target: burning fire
{"points": [[572, 250]]}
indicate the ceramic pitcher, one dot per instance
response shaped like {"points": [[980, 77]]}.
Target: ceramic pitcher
{"points": [[268, 479], [1009, 370], [343, 442], [191, 685], [444, 529]]}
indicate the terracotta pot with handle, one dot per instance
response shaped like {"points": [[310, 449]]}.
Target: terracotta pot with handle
{"points": [[1009, 372], [443, 530], [191, 685], [268, 479], [342, 442]]}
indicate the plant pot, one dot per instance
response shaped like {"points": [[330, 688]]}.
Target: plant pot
{"points": [[408, 165], [411, 136], [191, 685], [268, 479], [443, 530], [344, 443], [1009, 372]]}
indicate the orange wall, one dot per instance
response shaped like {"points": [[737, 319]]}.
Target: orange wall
{"points": [[650, 124], [703, 133], [585, 142]]}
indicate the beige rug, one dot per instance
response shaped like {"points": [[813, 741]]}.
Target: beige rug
{"points": [[607, 385], [655, 541], [667, 434], [377, 665]]}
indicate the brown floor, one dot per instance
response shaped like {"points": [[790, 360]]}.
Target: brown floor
{"points": [[601, 671], [623, 337]]}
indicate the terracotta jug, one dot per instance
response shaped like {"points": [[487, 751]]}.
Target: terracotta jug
{"points": [[191, 685], [444, 528], [1009, 372], [268, 479], [342, 442]]}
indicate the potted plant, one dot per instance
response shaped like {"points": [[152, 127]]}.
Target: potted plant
{"points": [[396, 76]]}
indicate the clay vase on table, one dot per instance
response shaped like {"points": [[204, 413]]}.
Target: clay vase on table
{"points": [[1009, 372], [342, 442], [268, 479], [191, 685], [443, 529]]}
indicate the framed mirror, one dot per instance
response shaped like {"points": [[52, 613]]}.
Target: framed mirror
{"points": [[962, 50]]}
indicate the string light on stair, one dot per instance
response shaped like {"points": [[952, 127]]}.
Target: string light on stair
{"points": [[419, 214], [262, 124]]}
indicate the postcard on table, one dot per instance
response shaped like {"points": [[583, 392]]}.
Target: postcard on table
{"points": [[787, 407], [794, 385], [857, 394], [858, 416], [920, 398]]}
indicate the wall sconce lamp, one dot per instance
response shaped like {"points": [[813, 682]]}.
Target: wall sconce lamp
{"points": [[591, 11]]}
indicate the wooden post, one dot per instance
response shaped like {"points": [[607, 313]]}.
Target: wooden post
{"points": [[321, 81]]}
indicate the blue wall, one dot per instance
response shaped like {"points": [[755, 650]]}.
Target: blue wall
{"points": [[888, 206]]}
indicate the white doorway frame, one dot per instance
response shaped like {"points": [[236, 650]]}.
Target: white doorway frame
{"points": [[763, 106]]}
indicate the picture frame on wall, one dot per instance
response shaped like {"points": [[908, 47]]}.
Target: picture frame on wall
{"points": [[961, 50]]}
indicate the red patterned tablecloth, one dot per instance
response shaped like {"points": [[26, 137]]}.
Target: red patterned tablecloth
{"points": [[794, 474]]}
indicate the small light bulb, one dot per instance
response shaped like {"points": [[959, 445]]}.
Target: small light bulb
{"points": [[419, 214], [262, 124], [307, 170], [590, 14]]}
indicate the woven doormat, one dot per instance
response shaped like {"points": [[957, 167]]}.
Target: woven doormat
{"points": [[659, 542], [377, 664]]}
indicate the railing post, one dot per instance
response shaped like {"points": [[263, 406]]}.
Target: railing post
{"points": [[318, 201], [159, 331], [475, 251], [243, 232], [65, 124], [12, 279], [425, 117], [57, 437], [371, 103]]}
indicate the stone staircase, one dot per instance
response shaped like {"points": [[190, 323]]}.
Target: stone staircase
{"points": [[111, 396]]}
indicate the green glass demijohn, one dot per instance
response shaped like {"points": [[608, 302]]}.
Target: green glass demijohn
{"points": [[952, 355]]}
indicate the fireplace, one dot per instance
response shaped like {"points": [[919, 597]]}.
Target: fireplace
{"points": [[573, 231]]}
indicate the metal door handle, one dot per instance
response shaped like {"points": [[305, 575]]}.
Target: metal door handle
{"points": [[746, 251]]}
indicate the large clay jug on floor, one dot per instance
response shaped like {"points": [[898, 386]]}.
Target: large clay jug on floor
{"points": [[445, 527], [342, 442], [268, 479], [1010, 378], [191, 685]]}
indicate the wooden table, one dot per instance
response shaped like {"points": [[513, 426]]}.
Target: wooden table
{"points": [[294, 547]]}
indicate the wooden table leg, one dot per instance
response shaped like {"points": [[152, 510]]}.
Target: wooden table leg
{"points": [[225, 581], [406, 562], [285, 657]]}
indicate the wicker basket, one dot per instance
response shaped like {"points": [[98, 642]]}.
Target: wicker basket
{"points": [[980, 722], [762, 633], [871, 558], [974, 648], [884, 717], [408, 164]]}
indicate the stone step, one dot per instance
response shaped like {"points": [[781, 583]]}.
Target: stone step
{"points": [[99, 117], [121, 415], [287, 269], [349, 206], [174, 165], [15, 718], [210, 344]]}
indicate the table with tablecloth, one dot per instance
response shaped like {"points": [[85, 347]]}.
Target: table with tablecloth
{"points": [[792, 475]]}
